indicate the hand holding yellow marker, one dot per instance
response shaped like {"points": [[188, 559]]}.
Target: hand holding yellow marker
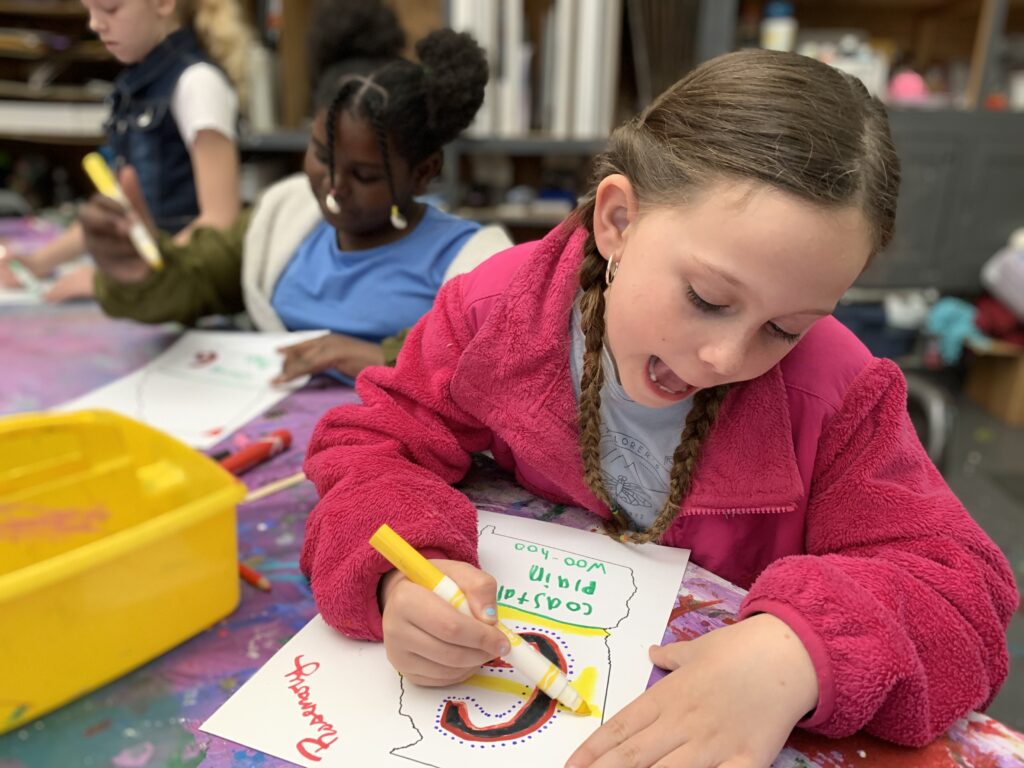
{"points": [[103, 178], [526, 659]]}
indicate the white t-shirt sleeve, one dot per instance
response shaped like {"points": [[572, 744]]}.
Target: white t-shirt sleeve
{"points": [[203, 99]]}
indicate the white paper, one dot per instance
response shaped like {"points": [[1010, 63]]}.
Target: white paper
{"points": [[203, 387], [35, 232], [23, 296], [325, 700]]}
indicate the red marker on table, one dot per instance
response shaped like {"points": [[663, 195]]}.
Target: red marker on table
{"points": [[258, 451]]}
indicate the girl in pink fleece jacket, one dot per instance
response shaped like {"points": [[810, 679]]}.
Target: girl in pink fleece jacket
{"points": [[689, 294]]}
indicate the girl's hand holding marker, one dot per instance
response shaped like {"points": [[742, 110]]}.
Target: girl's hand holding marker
{"points": [[101, 175], [446, 652]]}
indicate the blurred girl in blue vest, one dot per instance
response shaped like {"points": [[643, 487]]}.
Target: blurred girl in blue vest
{"points": [[174, 113]]}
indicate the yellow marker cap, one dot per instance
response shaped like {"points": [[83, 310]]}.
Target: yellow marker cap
{"points": [[405, 558], [102, 176], [96, 166]]}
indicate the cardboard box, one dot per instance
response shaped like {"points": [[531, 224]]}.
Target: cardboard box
{"points": [[995, 381]]}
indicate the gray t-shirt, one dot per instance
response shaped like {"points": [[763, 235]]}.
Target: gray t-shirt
{"points": [[637, 442]]}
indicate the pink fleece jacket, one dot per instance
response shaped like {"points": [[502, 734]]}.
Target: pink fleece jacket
{"points": [[812, 490]]}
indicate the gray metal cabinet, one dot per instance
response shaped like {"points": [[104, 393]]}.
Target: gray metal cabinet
{"points": [[962, 194], [992, 203]]}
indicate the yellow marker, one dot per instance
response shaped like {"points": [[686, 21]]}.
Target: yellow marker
{"points": [[103, 178], [526, 659]]}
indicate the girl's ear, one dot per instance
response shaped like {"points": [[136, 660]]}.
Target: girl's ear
{"points": [[167, 9], [425, 171], [615, 208]]}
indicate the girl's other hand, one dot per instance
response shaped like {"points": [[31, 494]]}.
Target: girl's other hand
{"points": [[732, 699], [334, 350], [427, 640]]}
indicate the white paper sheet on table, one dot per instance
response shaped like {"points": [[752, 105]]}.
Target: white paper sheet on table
{"points": [[16, 297], [203, 387], [21, 296], [596, 604]]}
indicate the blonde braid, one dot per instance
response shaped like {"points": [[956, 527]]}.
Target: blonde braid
{"points": [[221, 28], [699, 420]]}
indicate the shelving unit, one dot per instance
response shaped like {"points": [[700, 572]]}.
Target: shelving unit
{"points": [[85, 50], [963, 168], [51, 79], [51, 111], [43, 8]]}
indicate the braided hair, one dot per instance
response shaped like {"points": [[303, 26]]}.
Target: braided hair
{"points": [[420, 107], [699, 420], [779, 119]]}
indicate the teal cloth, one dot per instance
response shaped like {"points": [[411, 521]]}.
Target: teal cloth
{"points": [[951, 321]]}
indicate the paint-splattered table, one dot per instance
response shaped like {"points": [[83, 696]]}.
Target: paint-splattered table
{"points": [[151, 717]]}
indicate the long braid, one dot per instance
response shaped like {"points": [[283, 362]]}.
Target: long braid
{"points": [[332, 120], [592, 380], [375, 113], [699, 420]]}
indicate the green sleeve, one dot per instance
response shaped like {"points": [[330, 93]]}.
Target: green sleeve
{"points": [[392, 345], [201, 278]]}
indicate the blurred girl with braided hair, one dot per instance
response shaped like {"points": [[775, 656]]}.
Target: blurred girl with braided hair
{"points": [[665, 358], [345, 246], [174, 116]]}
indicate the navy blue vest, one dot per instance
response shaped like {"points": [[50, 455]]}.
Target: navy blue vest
{"points": [[141, 129]]}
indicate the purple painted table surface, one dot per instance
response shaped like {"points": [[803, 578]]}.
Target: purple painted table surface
{"points": [[151, 716]]}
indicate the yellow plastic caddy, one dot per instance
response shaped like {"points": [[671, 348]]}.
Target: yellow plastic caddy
{"points": [[117, 542]]}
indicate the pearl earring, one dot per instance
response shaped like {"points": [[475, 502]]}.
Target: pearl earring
{"points": [[398, 221], [332, 203]]}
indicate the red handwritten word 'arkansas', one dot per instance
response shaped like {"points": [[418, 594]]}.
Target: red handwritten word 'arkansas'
{"points": [[310, 748]]}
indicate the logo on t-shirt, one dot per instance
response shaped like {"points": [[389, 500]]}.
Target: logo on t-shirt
{"points": [[634, 476]]}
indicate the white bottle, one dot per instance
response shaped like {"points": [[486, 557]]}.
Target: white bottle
{"points": [[778, 27]]}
